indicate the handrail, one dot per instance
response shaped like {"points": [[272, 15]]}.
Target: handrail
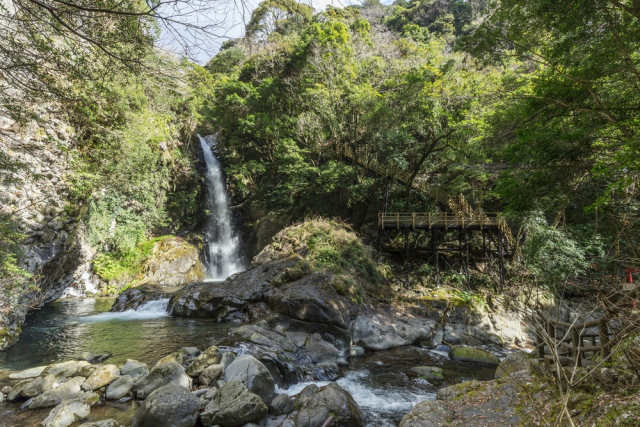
{"points": [[458, 205], [412, 219], [574, 338]]}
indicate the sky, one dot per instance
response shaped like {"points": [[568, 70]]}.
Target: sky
{"points": [[227, 20]]}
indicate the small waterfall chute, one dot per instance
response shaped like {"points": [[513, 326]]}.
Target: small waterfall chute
{"points": [[149, 310], [82, 288], [221, 245]]}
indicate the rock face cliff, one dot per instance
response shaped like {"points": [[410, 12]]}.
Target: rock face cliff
{"points": [[36, 199]]}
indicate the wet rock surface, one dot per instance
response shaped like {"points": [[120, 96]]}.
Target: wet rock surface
{"points": [[168, 406], [233, 405], [281, 405], [133, 298], [374, 329], [161, 375], [247, 370], [389, 369]]}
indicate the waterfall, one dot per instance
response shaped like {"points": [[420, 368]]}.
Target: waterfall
{"points": [[82, 288], [221, 246]]}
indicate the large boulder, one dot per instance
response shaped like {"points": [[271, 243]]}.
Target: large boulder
{"points": [[514, 362], [253, 375], [174, 262], [70, 369], [39, 386], [67, 413], [384, 327], [161, 375], [430, 413], [133, 298], [223, 301], [330, 401], [134, 369], [27, 373], [233, 405], [473, 355], [54, 397], [168, 406], [296, 351], [210, 374], [119, 388], [312, 299], [210, 356], [102, 376]]}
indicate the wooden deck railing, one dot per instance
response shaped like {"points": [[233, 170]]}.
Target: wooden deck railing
{"points": [[428, 220], [361, 155], [578, 343], [458, 205]]}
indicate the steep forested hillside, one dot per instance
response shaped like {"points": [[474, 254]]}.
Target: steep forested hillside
{"points": [[528, 110], [299, 89]]}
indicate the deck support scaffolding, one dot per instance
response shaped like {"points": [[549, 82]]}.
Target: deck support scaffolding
{"points": [[444, 230]]}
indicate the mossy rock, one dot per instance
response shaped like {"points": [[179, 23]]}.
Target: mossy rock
{"points": [[513, 363], [473, 355], [428, 372]]}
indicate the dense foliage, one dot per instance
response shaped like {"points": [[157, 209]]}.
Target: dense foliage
{"points": [[450, 92], [288, 104], [135, 166], [133, 111]]}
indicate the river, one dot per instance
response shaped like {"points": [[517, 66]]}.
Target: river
{"points": [[66, 329]]}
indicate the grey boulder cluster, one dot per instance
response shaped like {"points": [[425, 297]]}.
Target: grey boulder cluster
{"points": [[188, 387], [70, 388]]}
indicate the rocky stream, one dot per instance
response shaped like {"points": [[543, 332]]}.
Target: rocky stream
{"points": [[276, 343], [70, 343]]}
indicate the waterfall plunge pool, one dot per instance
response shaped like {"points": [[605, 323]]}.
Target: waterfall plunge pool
{"points": [[65, 329]]}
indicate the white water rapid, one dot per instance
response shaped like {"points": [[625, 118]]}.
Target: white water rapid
{"points": [[148, 310], [83, 288], [380, 403], [221, 251]]}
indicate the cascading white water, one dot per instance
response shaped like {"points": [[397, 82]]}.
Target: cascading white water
{"points": [[82, 288], [222, 251], [381, 403], [148, 310]]}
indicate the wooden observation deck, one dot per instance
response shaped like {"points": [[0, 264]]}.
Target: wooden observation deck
{"points": [[463, 218], [440, 220]]}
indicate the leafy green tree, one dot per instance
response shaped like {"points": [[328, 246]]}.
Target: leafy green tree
{"points": [[279, 16], [571, 123]]}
